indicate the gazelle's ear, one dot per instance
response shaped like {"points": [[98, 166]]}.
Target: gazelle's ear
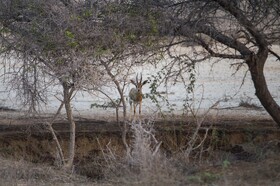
{"points": [[133, 82], [146, 81]]}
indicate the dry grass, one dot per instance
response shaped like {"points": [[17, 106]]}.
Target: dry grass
{"points": [[14, 172]]}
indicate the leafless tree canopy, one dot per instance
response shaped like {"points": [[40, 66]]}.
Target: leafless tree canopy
{"points": [[243, 30]]}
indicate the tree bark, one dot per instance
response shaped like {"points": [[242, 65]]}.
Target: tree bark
{"points": [[256, 67], [67, 93], [58, 145]]}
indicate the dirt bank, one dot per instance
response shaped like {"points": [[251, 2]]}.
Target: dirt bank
{"points": [[29, 138]]}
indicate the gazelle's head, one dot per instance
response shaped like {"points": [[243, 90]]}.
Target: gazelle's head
{"points": [[138, 84]]}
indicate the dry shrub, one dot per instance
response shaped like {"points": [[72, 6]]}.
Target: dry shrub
{"points": [[145, 164]]}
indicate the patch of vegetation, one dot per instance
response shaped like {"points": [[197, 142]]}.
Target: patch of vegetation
{"points": [[247, 103], [204, 178], [105, 105], [14, 172]]}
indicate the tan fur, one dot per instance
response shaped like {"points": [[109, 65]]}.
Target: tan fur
{"points": [[136, 96]]}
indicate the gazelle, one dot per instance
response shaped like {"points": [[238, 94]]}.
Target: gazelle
{"points": [[135, 95]]}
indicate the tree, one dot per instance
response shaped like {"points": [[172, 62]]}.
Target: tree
{"points": [[254, 25], [239, 30], [70, 43], [54, 39]]}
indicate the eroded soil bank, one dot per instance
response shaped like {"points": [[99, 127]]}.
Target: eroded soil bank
{"points": [[31, 140]]}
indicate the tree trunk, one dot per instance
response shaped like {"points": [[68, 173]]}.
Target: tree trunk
{"points": [[256, 67], [58, 145], [124, 105], [67, 93]]}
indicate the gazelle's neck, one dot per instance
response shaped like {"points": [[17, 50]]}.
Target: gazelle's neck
{"points": [[139, 96]]}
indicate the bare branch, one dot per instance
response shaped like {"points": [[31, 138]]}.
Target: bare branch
{"points": [[275, 54]]}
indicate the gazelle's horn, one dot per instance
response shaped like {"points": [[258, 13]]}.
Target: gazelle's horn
{"points": [[141, 78], [137, 78]]}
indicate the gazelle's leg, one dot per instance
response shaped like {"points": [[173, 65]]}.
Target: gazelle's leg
{"points": [[134, 107], [140, 107], [140, 110], [130, 113]]}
